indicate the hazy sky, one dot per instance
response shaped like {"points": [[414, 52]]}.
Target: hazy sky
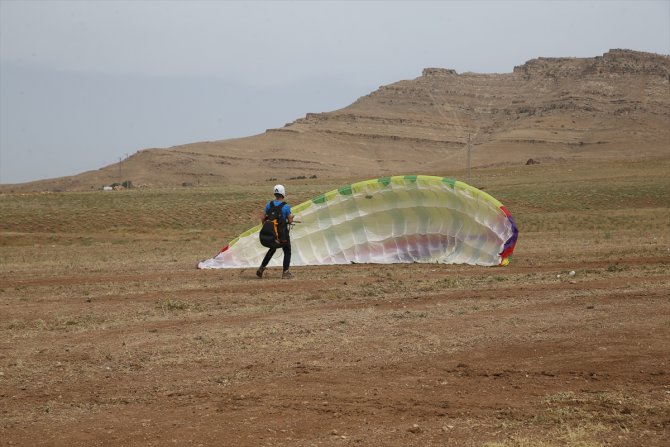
{"points": [[83, 83]]}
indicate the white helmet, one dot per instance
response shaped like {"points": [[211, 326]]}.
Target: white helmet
{"points": [[279, 189]]}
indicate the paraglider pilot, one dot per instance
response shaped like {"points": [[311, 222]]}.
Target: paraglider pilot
{"points": [[276, 218]]}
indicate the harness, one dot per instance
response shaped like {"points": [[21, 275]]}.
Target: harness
{"points": [[274, 233]]}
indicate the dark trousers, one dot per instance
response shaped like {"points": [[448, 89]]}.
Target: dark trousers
{"points": [[287, 256]]}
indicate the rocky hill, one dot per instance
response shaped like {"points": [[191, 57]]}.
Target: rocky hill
{"points": [[612, 106]]}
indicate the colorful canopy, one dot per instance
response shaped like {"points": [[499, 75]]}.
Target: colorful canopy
{"points": [[400, 219]]}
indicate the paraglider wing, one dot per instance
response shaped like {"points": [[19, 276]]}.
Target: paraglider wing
{"points": [[396, 219]]}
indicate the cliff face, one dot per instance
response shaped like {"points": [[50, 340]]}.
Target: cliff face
{"points": [[621, 82], [615, 105], [611, 64], [611, 106]]}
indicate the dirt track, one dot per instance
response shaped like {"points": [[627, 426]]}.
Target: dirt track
{"points": [[362, 355]]}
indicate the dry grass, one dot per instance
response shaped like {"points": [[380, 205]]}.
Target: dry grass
{"points": [[104, 315]]}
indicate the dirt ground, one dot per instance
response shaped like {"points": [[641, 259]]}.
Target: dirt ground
{"points": [[123, 342]]}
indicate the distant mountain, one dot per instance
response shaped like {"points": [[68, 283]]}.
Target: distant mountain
{"points": [[612, 106]]}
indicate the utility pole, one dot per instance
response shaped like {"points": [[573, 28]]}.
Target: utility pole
{"points": [[469, 147]]}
